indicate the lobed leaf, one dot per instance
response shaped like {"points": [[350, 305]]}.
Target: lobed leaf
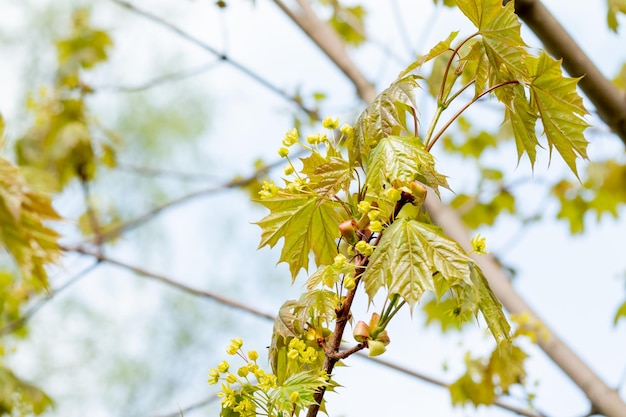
{"points": [[499, 28], [559, 107], [383, 117], [409, 260], [307, 223], [404, 159]]}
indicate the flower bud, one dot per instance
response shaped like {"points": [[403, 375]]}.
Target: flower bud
{"points": [[349, 283], [374, 320]]}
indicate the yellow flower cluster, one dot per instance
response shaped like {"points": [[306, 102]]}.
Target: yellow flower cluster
{"points": [[241, 399]]}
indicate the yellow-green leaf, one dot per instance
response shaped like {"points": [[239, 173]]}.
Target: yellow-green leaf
{"points": [[500, 31], [435, 51], [620, 313], [614, 7], [383, 117], [523, 119], [560, 108], [408, 257], [307, 223], [403, 159], [490, 307]]}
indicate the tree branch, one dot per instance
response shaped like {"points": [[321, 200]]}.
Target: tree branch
{"points": [[176, 284], [330, 43], [235, 183], [240, 67], [608, 99], [594, 388]]}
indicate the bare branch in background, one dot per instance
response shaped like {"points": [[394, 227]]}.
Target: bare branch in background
{"points": [[240, 67], [159, 81]]}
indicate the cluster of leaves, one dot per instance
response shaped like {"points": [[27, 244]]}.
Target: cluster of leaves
{"points": [[61, 142], [602, 192], [55, 150], [360, 212]]}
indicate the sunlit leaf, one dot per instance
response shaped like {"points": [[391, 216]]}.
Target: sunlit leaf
{"points": [[614, 7], [408, 257], [500, 31], [16, 394], [620, 313], [435, 51], [383, 117], [307, 223], [560, 108], [490, 307], [403, 159]]}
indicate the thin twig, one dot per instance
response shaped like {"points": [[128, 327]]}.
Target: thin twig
{"points": [[159, 172], [173, 283], [240, 67], [235, 183], [434, 381], [182, 411], [158, 81], [28, 314]]}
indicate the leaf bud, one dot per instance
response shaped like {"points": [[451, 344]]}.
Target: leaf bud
{"points": [[374, 320], [348, 230], [419, 191], [383, 337], [376, 347], [361, 332]]}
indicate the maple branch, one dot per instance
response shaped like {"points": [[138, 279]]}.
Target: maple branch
{"points": [[158, 81], [173, 283], [234, 183], [331, 45], [609, 101], [160, 172], [222, 56], [498, 403], [594, 388]]}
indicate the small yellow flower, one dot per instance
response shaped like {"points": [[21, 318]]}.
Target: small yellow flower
{"points": [[234, 346], [231, 378], [268, 190], [479, 245], [364, 248], [214, 376], [283, 152], [340, 260], [376, 226], [313, 139], [243, 371], [293, 354], [223, 367], [291, 137], [294, 397], [349, 283], [288, 170], [347, 130], [330, 123], [373, 214], [253, 355], [364, 206]]}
